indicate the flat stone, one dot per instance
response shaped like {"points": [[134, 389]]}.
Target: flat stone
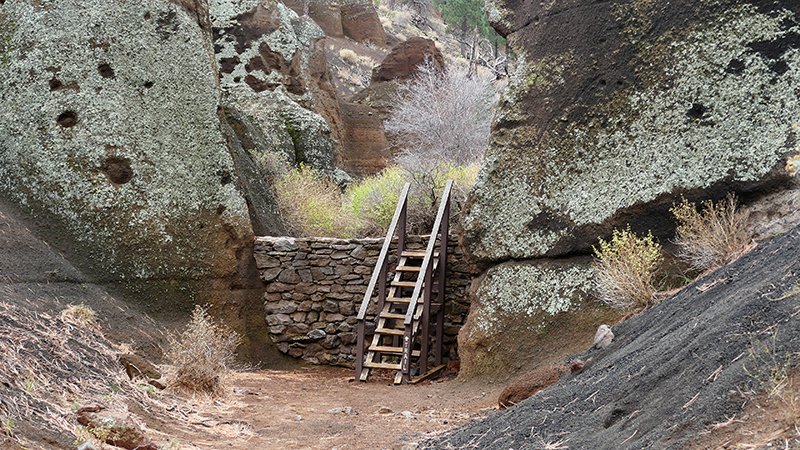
{"points": [[316, 334], [288, 275], [285, 245], [282, 307]]}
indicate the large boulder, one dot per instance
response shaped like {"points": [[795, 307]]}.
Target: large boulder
{"points": [[615, 111], [274, 130], [110, 136], [617, 107], [529, 313], [401, 63], [268, 47], [109, 125]]}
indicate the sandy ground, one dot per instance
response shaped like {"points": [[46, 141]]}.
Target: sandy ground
{"points": [[324, 408]]}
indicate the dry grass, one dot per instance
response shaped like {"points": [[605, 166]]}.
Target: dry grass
{"points": [[773, 371], [203, 354], [50, 366], [348, 56], [625, 269], [713, 237], [80, 315]]}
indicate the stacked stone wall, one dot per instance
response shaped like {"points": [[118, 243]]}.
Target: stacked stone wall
{"points": [[315, 286]]}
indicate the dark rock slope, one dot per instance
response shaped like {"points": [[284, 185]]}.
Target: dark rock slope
{"points": [[671, 372]]}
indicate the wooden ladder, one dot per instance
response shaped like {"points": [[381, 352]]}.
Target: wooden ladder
{"points": [[401, 318]]}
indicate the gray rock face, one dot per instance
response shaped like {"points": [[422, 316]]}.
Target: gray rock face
{"points": [[606, 123], [275, 130], [108, 124]]}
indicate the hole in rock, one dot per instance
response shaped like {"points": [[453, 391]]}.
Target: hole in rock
{"points": [[736, 66], [118, 170], [105, 71], [148, 84], [67, 119], [779, 67], [696, 111], [55, 84]]}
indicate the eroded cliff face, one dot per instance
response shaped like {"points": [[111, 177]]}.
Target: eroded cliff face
{"points": [[618, 108], [272, 63]]}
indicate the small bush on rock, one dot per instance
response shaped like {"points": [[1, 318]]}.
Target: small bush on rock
{"points": [[713, 237], [203, 354], [625, 269], [348, 56]]}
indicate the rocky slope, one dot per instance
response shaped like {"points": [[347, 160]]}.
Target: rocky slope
{"points": [[672, 372]]}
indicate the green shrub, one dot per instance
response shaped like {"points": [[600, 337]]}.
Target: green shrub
{"points": [[311, 205], [625, 269], [374, 199], [202, 354], [713, 237]]}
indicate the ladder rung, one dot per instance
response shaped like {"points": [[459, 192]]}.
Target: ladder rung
{"points": [[387, 315], [391, 331], [392, 350], [372, 365], [408, 268], [405, 300], [404, 283], [417, 254]]}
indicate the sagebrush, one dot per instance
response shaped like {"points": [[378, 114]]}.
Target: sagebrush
{"points": [[625, 269], [713, 236], [203, 354]]}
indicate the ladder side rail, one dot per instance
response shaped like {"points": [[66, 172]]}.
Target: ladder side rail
{"points": [[426, 262], [379, 273], [382, 257], [426, 320], [444, 240]]}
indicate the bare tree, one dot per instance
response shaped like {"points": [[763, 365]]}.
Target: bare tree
{"points": [[441, 117], [441, 121]]}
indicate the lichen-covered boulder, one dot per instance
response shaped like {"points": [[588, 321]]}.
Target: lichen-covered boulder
{"points": [[525, 313], [616, 108], [111, 136], [268, 47], [109, 126]]}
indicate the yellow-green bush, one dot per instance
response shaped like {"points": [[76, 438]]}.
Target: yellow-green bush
{"points": [[374, 199], [311, 205], [625, 269]]}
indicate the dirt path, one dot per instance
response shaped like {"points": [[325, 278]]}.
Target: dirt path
{"points": [[323, 408]]}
